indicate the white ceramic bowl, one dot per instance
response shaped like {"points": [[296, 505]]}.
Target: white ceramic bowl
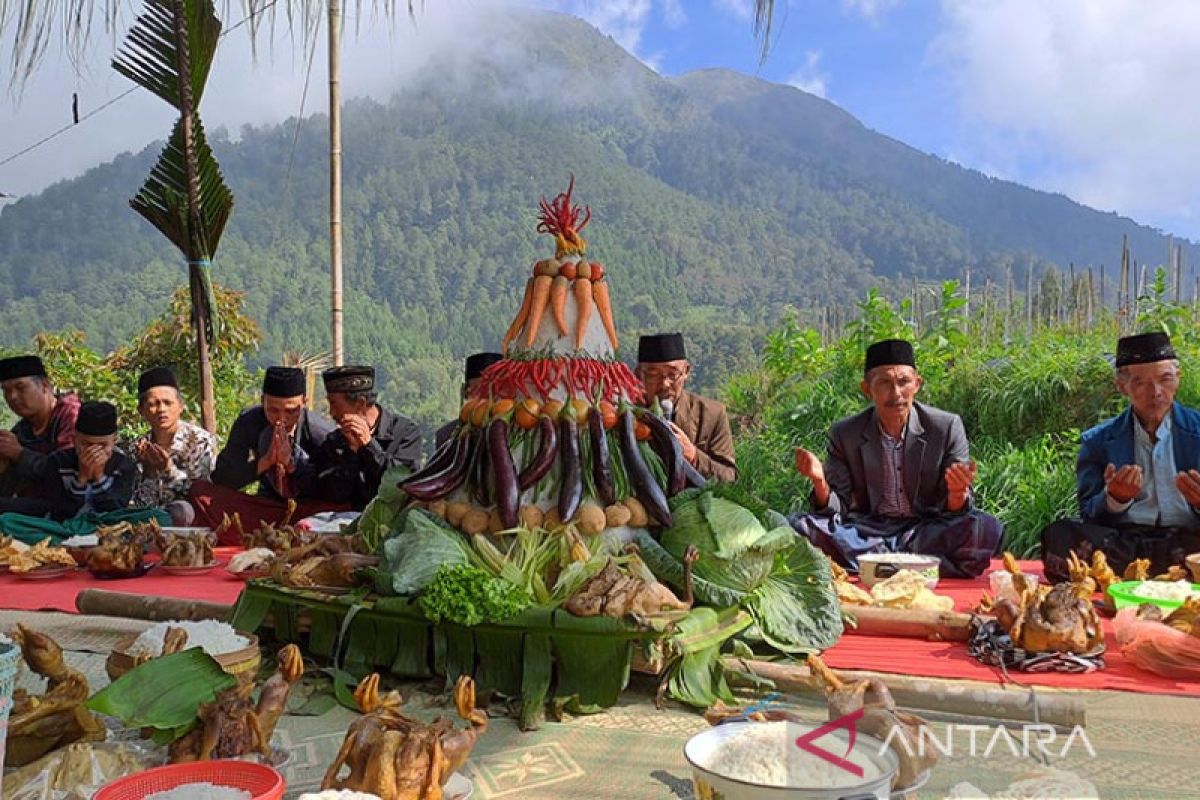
{"points": [[701, 748], [876, 567]]}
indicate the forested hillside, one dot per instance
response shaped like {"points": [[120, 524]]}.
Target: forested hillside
{"points": [[718, 199]]}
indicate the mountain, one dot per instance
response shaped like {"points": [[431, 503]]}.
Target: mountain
{"points": [[717, 200]]}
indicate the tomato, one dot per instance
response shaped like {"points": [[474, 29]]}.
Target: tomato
{"points": [[609, 414], [597, 270], [465, 413], [581, 408], [501, 407], [527, 413], [479, 413], [641, 430], [552, 408], [568, 270]]}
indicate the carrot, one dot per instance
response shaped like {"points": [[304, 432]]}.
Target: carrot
{"points": [[558, 303], [522, 315], [583, 307], [604, 306], [541, 296]]}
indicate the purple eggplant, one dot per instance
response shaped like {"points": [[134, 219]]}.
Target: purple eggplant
{"points": [[543, 460], [478, 477], [602, 475], [504, 474], [645, 487], [570, 493], [435, 485], [666, 446]]}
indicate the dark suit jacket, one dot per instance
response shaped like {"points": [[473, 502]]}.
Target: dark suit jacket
{"points": [[935, 439], [706, 423], [1111, 442], [237, 463]]}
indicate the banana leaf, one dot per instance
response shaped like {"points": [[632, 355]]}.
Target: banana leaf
{"points": [[165, 692], [695, 675]]}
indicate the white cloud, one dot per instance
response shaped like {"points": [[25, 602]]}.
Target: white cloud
{"points": [[673, 14], [742, 9], [1093, 99], [809, 77], [624, 20], [870, 9]]}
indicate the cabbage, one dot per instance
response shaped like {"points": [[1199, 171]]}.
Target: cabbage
{"points": [[411, 558]]}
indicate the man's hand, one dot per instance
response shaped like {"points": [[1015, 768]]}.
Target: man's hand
{"points": [[689, 449], [279, 454], [10, 446], [356, 430], [1123, 484], [810, 466], [155, 458], [1188, 484], [959, 477], [91, 464]]}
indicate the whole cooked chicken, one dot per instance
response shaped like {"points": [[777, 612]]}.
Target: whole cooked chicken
{"points": [[336, 570], [233, 725], [395, 757], [184, 550], [1059, 619], [38, 724], [121, 547]]}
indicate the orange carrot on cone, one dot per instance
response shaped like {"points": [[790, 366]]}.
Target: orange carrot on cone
{"points": [[558, 303], [541, 296], [604, 307], [583, 307], [515, 329]]}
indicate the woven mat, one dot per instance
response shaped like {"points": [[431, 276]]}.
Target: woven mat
{"points": [[1143, 742]]}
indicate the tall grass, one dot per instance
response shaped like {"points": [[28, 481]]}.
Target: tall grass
{"points": [[1023, 398]]}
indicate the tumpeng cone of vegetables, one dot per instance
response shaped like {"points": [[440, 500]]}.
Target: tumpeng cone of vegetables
{"points": [[555, 433]]}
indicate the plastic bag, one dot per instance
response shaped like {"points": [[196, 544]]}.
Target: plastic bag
{"points": [[78, 771], [1156, 647]]}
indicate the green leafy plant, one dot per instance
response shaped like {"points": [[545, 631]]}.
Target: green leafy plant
{"points": [[467, 595]]}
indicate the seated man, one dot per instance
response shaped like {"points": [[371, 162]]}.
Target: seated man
{"points": [[897, 478], [88, 485], [369, 441], [273, 443], [701, 425], [1136, 475], [174, 453], [47, 425], [474, 367]]}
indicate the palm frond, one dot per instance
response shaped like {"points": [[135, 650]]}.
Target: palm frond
{"points": [[150, 54], [163, 201], [764, 14]]}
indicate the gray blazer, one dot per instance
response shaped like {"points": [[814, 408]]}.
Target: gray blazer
{"points": [[935, 439]]}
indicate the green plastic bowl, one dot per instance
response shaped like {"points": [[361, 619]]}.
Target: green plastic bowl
{"points": [[1122, 595]]}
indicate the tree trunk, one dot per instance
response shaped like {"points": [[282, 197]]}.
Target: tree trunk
{"points": [[198, 248]]}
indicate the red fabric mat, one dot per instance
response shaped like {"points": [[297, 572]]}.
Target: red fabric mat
{"points": [[59, 594], [950, 659]]}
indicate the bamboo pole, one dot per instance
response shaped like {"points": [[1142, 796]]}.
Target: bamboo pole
{"points": [[940, 626], [335, 180], [1178, 274], [1029, 299], [971, 699], [967, 297], [106, 603], [1091, 306], [1008, 309]]}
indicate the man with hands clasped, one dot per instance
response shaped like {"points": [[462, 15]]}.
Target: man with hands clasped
{"points": [[1136, 476], [897, 477]]}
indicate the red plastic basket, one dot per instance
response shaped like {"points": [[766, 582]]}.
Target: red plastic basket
{"points": [[263, 782]]}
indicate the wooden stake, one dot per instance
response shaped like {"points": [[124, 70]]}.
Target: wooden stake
{"points": [[105, 603]]}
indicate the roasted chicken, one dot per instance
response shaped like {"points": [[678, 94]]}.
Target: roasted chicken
{"points": [[39, 556], [395, 757], [341, 570], [38, 724], [233, 725], [184, 550], [1060, 619], [121, 547], [614, 593]]}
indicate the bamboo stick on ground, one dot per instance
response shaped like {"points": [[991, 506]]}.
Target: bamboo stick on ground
{"points": [[107, 603], [944, 626], [929, 694]]}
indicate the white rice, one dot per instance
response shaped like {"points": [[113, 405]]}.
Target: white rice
{"points": [[338, 794], [1166, 590], [215, 638], [201, 791], [86, 540], [762, 753]]}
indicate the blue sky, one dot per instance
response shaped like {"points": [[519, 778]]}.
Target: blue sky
{"points": [[1092, 98]]}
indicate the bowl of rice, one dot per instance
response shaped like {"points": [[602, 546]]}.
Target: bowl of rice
{"points": [[760, 761], [236, 652], [1164, 594], [202, 780]]}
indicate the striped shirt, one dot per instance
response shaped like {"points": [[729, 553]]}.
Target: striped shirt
{"points": [[895, 499]]}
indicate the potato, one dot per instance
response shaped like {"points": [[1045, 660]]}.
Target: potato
{"points": [[591, 519], [617, 515], [495, 524], [456, 511], [475, 521], [439, 507], [638, 518], [550, 520], [532, 516]]}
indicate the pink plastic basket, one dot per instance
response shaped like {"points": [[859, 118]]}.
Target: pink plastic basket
{"points": [[263, 782]]}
